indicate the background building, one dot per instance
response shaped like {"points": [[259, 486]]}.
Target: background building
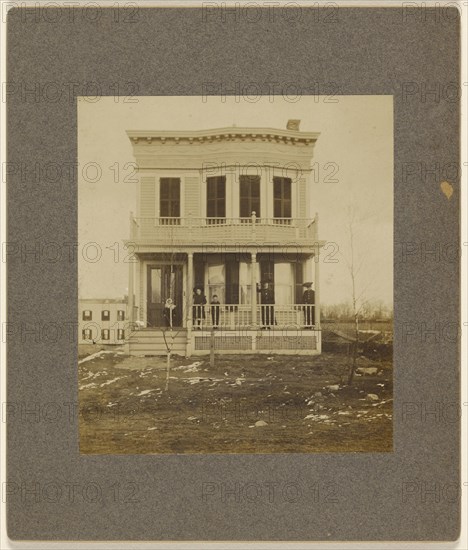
{"points": [[102, 321]]}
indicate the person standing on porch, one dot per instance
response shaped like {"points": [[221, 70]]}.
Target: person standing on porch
{"points": [[215, 311], [308, 298], [267, 297], [199, 302]]}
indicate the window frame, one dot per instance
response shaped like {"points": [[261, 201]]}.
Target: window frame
{"points": [[167, 213], [284, 202], [84, 317], [213, 196], [250, 199]]}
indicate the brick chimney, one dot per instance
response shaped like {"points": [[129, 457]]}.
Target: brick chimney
{"points": [[293, 124]]}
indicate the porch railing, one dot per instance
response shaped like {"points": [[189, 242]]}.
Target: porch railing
{"points": [[204, 230], [239, 316]]}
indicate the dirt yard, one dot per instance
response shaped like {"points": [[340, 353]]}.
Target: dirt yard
{"points": [[245, 404]]}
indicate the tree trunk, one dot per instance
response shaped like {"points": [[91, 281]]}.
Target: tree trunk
{"points": [[168, 369], [352, 370]]}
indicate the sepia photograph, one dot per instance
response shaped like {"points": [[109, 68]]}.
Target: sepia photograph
{"points": [[234, 271], [235, 287]]}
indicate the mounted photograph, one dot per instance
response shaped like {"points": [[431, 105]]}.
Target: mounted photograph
{"points": [[235, 274]]}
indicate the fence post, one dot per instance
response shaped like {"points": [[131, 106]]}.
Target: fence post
{"points": [[212, 346]]}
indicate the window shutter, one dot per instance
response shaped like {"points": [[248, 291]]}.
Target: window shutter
{"points": [[198, 271], [299, 281], [232, 281], [301, 198]]}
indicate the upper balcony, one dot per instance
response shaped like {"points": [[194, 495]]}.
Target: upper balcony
{"points": [[195, 232]]}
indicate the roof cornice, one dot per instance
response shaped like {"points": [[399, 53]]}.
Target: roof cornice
{"points": [[232, 133]]}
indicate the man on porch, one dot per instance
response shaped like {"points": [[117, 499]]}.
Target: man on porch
{"points": [[267, 297], [308, 298]]}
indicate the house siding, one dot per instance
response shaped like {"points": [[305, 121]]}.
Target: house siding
{"points": [[192, 196], [148, 196]]}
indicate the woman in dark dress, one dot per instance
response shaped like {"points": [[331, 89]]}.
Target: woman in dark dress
{"points": [[199, 302]]}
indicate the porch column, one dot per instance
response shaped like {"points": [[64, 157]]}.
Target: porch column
{"points": [[189, 302], [189, 290], [131, 270], [317, 286], [253, 287]]}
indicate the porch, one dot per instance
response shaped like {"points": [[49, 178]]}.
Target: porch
{"points": [[232, 314], [231, 290]]}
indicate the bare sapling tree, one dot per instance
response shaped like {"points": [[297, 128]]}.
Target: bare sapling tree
{"points": [[168, 332], [355, 262]]}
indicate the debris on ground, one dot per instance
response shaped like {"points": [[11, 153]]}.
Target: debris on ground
{"points": [[372, 397], [367, 371], [223, 413]]}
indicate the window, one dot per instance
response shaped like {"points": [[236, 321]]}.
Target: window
{"points": [[282, 199], [284, 286], [216, 281], [87, 334], [105, 334], [87, 315], [169, 201], [245, 281], [216, 199], [120, 334], [120, 315], [156, 282], [232, 280], [105, 315], [249, 196]]}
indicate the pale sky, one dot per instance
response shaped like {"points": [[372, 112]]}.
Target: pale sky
{"points": [[356, 138]]}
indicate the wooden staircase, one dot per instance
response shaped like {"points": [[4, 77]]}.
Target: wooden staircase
{"points": [[151, 342]]}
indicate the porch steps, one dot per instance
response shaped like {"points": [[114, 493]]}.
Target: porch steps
{"points": [[151, 342]]}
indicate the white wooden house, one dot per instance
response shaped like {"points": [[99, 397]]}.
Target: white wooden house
{"points": [[224, 209]]}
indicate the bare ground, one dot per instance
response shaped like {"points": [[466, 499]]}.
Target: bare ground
{"points": [[244, 404]]}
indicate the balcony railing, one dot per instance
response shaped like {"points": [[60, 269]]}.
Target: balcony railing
{"points": [[196, 230]]}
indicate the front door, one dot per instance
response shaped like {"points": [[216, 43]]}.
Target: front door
{"points": [[164, 281]]}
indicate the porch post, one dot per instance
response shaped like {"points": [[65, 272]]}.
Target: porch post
{"points": [[317, 286], [253, 287], [189, 301], [131, 269]]}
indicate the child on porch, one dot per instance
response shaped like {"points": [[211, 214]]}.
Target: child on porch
{"points": [[215, 311], [169, 312]]}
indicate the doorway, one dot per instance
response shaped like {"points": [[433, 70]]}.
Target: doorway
{"points": [[164, 281]]}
